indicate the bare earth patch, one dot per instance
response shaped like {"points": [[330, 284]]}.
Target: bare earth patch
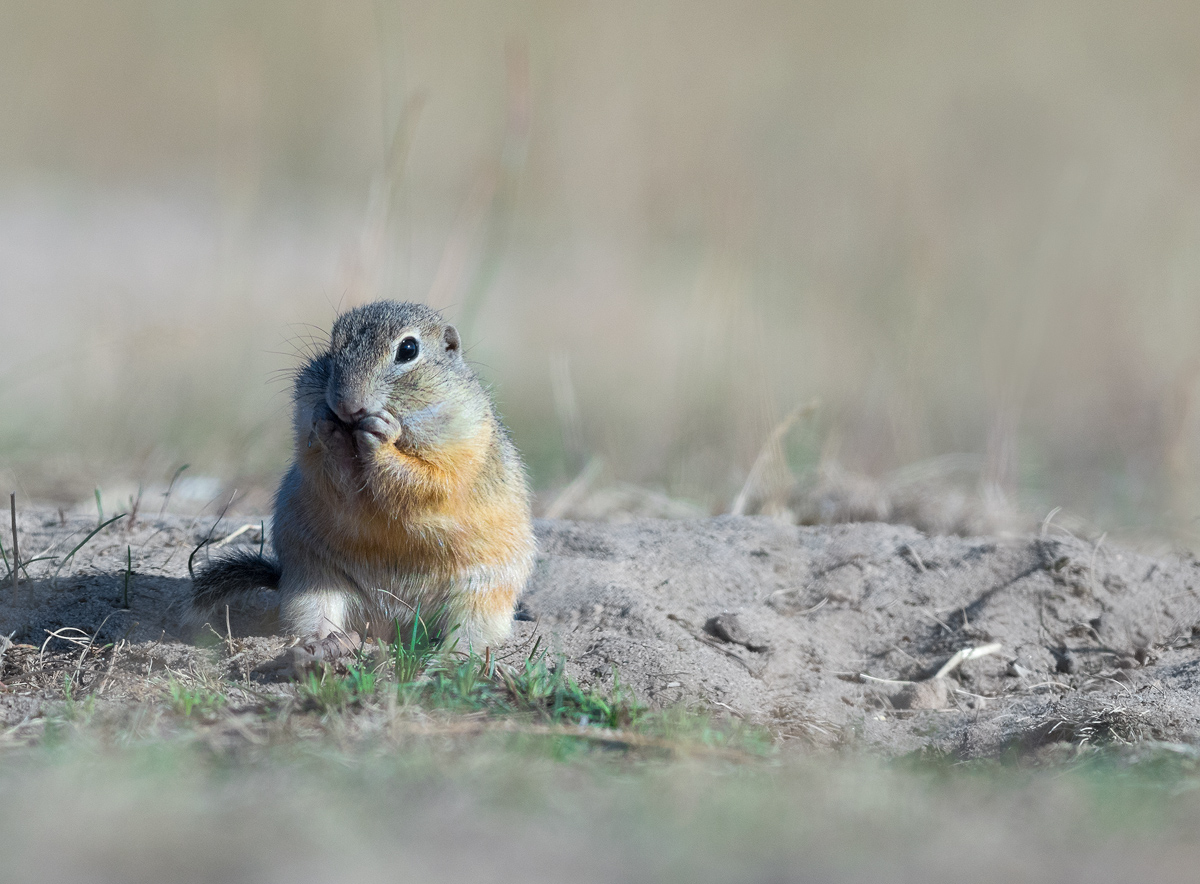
{"points": [[865, 636]]}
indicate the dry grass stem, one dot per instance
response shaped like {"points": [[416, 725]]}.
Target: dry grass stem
{"points": [[16, 565], [229, 538], [566, 407], [576, 490], [171, 487], [770, 458], [966, 654]]}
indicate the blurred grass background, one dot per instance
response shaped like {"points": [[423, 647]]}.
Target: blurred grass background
{"points": [[963, 226]]}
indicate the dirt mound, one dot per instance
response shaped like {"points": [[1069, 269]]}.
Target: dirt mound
{"points": [[839, 633], [866, 635]]}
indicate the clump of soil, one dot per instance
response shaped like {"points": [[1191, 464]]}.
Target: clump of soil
{"points": [[859, 635]]}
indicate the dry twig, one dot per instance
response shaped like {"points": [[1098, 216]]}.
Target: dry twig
{"points": [[16, 566]]}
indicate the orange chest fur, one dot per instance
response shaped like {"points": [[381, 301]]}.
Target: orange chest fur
{"points": [[429, 513], [455, 535]]}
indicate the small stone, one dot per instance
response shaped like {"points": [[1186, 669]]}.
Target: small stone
{"points": [[932, 694], [1016, 670], [728, 628]]}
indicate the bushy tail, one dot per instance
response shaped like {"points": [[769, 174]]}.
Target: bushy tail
{"points": [[231, 576]]}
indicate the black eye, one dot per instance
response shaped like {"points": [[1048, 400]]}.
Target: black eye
{"points": [[408, 350]]}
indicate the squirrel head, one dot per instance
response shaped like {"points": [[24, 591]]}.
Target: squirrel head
{"points": [[393, 375]]}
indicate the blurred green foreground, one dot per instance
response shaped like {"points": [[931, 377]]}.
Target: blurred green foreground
{"points": [[510, 808]]}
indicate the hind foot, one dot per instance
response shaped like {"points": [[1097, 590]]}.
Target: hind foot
{"points": [[314, 651]]}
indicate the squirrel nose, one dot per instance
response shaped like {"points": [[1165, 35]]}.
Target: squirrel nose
{"points": [[350, 411]]}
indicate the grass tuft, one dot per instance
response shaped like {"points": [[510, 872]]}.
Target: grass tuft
{"points": [[411, 655], [327, 692], [187, 700], [468, 683]]}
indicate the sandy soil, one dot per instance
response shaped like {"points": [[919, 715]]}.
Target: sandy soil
{"points": [[865, 636]]}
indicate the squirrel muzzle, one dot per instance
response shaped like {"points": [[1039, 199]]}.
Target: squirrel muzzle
{"points": [[353, 440]]}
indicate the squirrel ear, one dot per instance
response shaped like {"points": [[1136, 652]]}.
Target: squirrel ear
{"points": [[451, 336]]}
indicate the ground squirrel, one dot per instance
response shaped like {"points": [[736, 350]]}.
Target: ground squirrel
{"points": [[405, 495]]}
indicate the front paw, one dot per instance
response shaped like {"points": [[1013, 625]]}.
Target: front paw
{"points": [[374, 431], [331, 433]]}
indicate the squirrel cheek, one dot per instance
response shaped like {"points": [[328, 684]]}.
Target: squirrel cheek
{"points": [[424, 427]]}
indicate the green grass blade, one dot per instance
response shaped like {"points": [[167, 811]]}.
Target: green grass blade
{"points": [[83, 542]]}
